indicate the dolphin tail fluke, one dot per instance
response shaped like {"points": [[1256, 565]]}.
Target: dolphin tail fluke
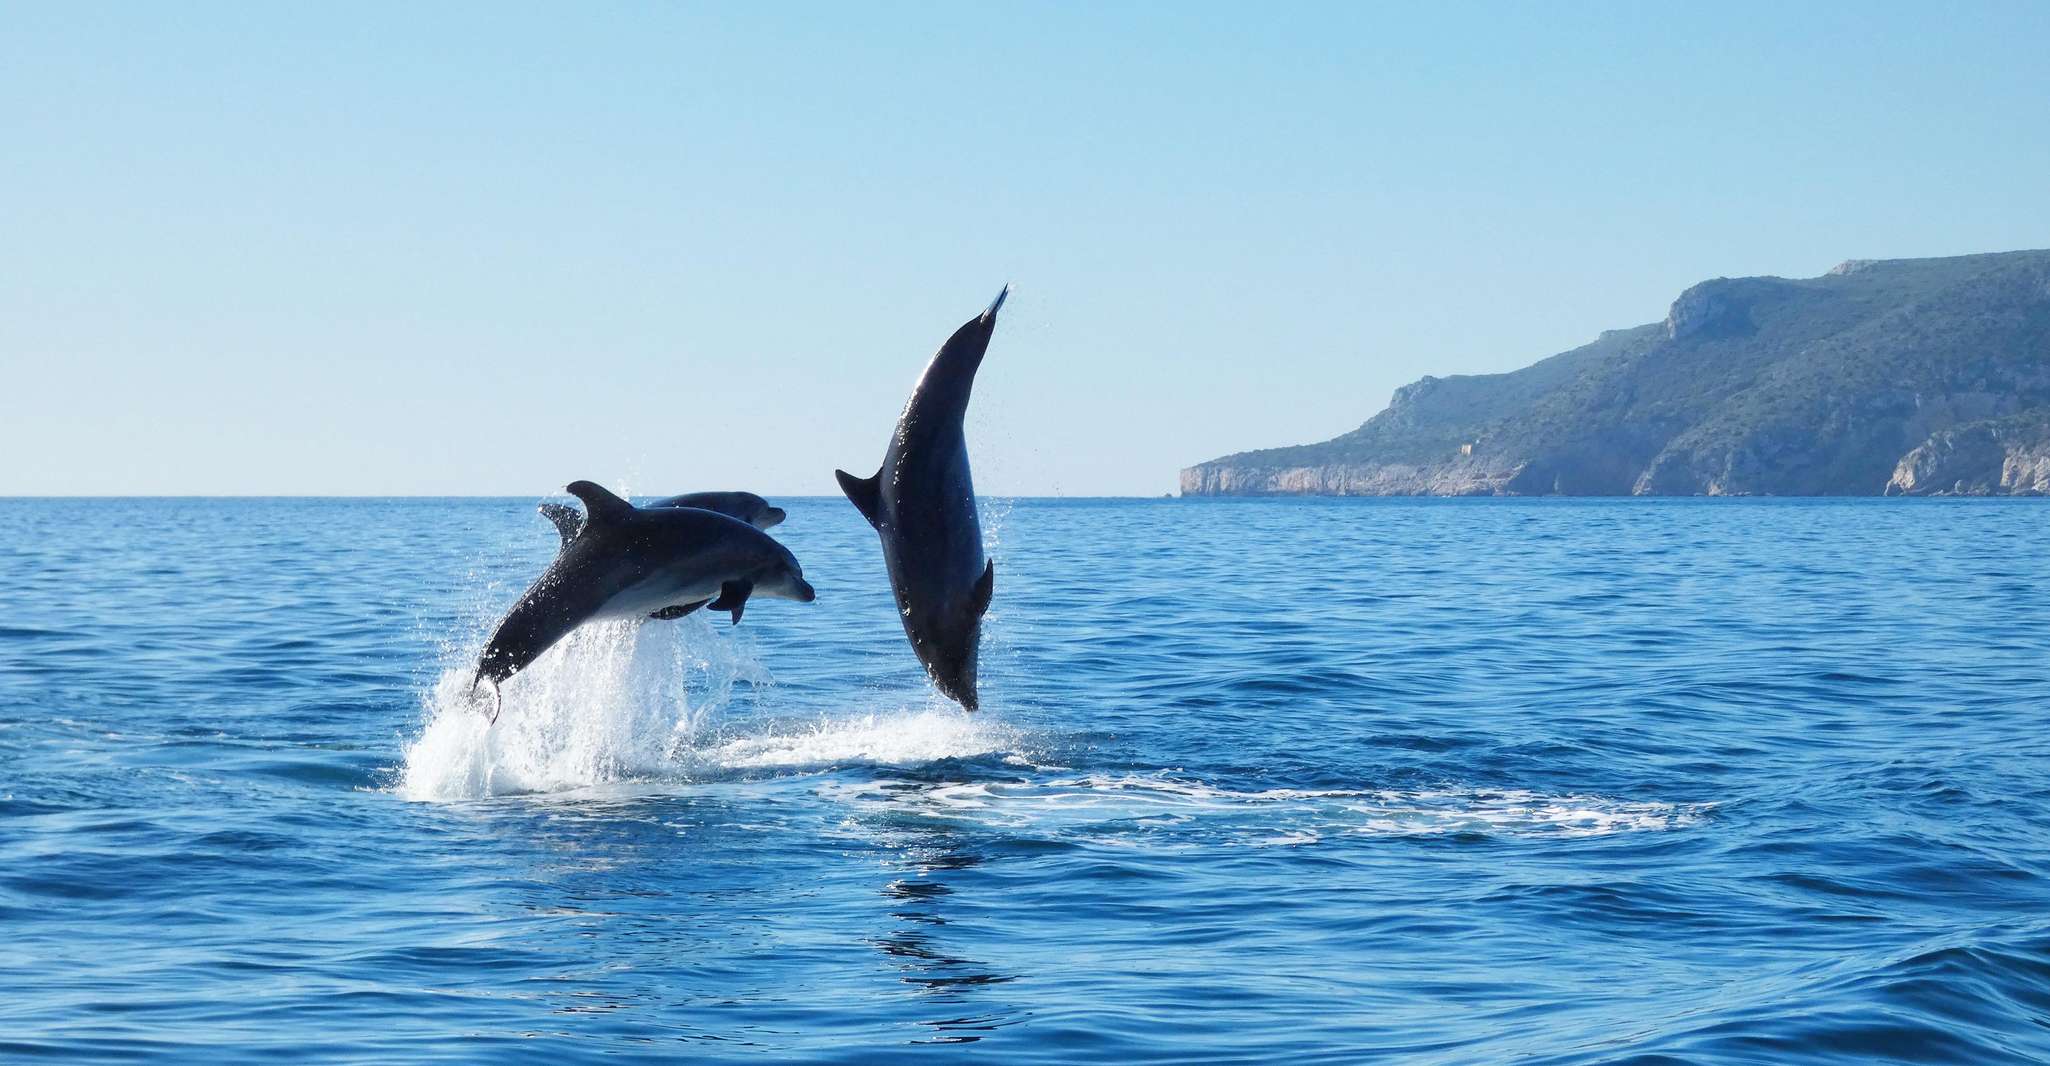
{"points": [[866, 493]]}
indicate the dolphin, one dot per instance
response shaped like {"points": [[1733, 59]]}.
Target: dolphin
{"points": [[632, 562], [745, 506], [922, 504]]}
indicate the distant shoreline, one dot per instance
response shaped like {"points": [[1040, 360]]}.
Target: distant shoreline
{"points": [[1903, 377], [1269, 497]]}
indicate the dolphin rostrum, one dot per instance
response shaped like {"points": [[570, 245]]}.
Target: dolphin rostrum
{"points": [[745, 506], [922, 504], [632, 562]]}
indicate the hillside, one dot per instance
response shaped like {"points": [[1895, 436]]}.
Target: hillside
{"points": [[1890, 376]]}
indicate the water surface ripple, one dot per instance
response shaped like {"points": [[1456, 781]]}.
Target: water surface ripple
{"points": [[1311, 781]]}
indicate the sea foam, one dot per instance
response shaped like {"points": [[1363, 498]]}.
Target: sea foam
{"points": [[622, 702]]}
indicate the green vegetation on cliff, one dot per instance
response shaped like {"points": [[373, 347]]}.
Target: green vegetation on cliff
{"points": [[1817, 386]]}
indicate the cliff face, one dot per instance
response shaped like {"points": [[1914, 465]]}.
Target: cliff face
{"points": [[1896, 376], [1997, 457]]}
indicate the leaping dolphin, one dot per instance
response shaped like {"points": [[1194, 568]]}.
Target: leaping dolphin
{"points": [[631, 562], [922, 504], [745, 506]]}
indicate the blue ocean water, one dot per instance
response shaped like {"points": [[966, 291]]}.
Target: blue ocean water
{"points": [[1311, 781]]}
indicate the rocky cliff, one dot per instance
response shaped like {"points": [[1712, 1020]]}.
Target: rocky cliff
{"points": [[1883, 376], [1996, 457]]}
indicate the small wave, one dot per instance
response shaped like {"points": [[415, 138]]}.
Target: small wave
{"points": [[900, 738], [1119, 809]]}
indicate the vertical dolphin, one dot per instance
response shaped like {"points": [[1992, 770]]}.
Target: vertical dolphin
{"points": [[922, 505]]}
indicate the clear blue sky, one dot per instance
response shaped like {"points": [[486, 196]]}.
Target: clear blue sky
{"points": [[437, 248]]}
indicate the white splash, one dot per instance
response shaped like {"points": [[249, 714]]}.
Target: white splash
{"points": [[625, 703], [612, 702]]}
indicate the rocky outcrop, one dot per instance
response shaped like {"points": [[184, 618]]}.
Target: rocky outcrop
{"points": [[1718, 308], [1997, 457], [1751, 386], [1342, 479]]}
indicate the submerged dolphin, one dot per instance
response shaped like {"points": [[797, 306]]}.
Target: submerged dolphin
{"points": [[922, 504], [745, 506], [631, 562]]}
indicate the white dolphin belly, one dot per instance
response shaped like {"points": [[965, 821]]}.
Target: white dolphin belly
{"points": [[656, 592]]}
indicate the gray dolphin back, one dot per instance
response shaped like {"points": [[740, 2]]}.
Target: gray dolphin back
{"points": [[562, 598]]}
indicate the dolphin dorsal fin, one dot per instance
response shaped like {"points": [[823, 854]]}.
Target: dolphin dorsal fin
{"points": [[865, 492], [602, 507], [567, 521]]}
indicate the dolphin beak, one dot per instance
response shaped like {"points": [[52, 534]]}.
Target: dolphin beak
{"points": [[773, 517], [996, 303], [808, 593]]}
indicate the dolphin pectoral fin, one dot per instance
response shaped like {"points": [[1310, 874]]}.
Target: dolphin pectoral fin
{"points": [[567, 521], [985, 587], [601, 506], [733, 597], [866, 493], [667, 614]]}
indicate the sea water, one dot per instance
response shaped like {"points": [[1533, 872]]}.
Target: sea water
{"points": [[1308, 781]]}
